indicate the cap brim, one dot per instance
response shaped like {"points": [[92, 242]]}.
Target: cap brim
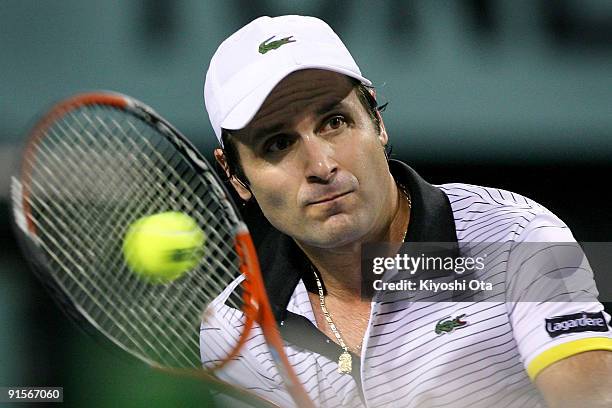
{"points": [[245, 110]]}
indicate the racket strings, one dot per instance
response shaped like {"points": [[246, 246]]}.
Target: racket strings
{"points": [[84, 295], [98, 176], [211, 229], [182, 194], [100, 298], [186, 190], [71, 185]]}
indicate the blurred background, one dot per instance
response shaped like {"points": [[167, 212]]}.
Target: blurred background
{"points": [[511, 94]]}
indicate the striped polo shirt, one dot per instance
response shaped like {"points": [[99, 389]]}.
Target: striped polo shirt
{"points": [[410, 356]]}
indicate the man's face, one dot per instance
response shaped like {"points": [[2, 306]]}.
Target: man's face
{"points": [[315, 161]]}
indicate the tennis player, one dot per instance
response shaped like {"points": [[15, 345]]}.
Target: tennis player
{"points": [[301, 137]]}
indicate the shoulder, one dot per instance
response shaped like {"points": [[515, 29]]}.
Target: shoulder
{"points": [[494, 214], [469, 198]]}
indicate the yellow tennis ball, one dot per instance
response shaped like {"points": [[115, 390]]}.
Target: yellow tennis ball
{"points": [[162, 247]]}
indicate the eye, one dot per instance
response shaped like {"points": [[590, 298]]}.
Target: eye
{"points": [[277, 143], [334, 123]]}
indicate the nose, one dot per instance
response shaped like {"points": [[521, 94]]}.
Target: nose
{"points": [[320, 167]]}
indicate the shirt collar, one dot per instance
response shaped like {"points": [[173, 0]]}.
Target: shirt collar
{"points": [[283, 264]]}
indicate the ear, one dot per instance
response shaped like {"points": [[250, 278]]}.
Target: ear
{"points": [[244, 193], [382, 136]]}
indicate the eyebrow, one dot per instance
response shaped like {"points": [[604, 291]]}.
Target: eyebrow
{"points": [[323, 109], [257, 135], [329, 107]]}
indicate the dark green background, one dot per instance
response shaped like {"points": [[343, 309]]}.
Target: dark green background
{"points": [[510, 94]]}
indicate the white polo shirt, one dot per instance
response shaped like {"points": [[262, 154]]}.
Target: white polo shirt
{"points": [[411, 357]]}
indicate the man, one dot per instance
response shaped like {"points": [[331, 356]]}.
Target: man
{"points": [[301, 136]]}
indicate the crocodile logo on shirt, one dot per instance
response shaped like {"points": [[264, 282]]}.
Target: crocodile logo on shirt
{"points": [[447, 325], [266, 46]]}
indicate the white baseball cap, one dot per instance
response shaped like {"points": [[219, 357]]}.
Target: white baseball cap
{"points": [[253, 60]]}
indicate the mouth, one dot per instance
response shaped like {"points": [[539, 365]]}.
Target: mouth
{"points": [[330, 198]]}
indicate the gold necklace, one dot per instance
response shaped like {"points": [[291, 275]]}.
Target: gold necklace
{"points": [[345, 360], [404, 190]]}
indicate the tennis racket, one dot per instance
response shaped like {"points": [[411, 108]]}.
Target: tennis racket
{"points": [[91, 167]]}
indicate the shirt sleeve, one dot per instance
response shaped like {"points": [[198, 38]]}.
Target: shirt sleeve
{"points": [[552, 297]]}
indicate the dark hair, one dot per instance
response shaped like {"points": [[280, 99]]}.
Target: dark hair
{"points": [[366, 97]]}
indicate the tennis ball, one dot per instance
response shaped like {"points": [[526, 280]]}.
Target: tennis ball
{"points": [[162, 247]]}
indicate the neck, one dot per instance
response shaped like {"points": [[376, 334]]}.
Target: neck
{"points": [[340, 268]]}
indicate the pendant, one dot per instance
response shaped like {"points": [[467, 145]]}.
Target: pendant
{"points": [[345, 363]]}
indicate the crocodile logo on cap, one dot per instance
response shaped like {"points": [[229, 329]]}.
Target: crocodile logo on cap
{"points": [[268, 45]]}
